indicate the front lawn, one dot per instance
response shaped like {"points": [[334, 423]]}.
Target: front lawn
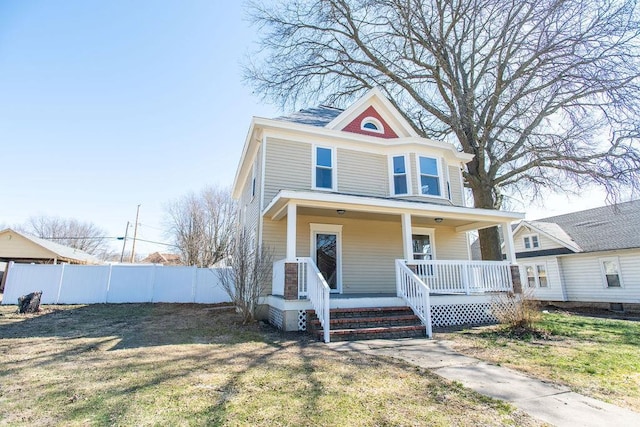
{"points": [[595, 356], [180, 364]]}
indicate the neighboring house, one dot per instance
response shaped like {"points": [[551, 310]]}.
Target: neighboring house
{"points": [[340, 195], [23, 248], [591, 256], [164, 259]]}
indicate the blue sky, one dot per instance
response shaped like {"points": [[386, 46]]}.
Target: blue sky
{"points": [[105, 105]]}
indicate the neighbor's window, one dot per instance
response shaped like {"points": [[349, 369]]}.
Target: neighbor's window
{"points": [[400, 175], [429, 178], [531, 241], [324, 168], [536, 275], [611, 271]]}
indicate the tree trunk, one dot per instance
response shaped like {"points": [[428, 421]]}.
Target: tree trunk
{"points": [[490, 242], [30, 303]]}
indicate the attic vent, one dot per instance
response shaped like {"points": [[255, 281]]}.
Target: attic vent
{"points": [[371, 124]]}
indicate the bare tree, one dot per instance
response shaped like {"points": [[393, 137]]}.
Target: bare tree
{"points": [[544, 93], [84, 236], [202, 225], [248, 272]]}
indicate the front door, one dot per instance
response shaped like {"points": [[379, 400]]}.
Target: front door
{"points": [[326, 254]]}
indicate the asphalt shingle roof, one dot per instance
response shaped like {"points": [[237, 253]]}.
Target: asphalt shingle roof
{"points": [[602, 229], [315, 116]]}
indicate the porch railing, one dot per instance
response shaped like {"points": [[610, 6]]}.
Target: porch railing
{"points": [[415, 292], [463, 277]]}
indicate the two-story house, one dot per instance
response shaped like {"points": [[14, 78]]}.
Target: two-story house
{"points": [[361, 212]]}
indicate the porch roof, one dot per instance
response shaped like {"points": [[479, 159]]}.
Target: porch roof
{"points": [[462, 218]]}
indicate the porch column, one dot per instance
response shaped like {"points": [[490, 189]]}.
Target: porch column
{"points": [[291, 231], [406, 237], [509, 247]]}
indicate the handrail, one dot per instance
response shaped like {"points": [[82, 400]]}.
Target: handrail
{"points": [[415, 292], [317, 291]]}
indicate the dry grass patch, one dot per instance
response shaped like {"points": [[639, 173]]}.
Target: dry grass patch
{"points": [[595, 356], [173, 364]]}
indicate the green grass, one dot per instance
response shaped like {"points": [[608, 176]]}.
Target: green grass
{"points": [[173, 364], [594, 356]]}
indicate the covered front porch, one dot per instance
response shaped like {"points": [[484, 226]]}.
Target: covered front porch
{"points": [[378, 251]]}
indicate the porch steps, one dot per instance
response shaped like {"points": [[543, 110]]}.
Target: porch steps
{"points": [[348, 324]]}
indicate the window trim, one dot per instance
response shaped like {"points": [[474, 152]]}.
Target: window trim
{"points": [[320, 228], [525, 278], [407, 174], [314, 164], [440, 176], [425, 231], [530, 237], [375, 122], [254, 178], [603, 273]]}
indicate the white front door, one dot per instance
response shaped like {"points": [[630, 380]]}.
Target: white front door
{"points": [[326, 251]]}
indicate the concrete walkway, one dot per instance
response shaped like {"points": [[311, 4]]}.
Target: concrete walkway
{"points": [[547, 402]]}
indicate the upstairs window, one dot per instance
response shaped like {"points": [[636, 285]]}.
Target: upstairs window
{"points": [[372, 125], [399, 175], [324, 168], [531, 242], [429, 176]]}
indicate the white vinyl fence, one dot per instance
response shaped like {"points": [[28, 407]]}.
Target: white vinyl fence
{"points": [[91, 284]]}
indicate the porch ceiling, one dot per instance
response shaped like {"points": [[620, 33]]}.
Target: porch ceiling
{"points": [[385, 209]]}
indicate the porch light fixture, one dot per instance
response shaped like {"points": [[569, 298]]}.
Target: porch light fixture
{"points": [[340, 211], [438, 220]]}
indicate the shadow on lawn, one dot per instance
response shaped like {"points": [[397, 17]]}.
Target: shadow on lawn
{"points": [[133, 325]]}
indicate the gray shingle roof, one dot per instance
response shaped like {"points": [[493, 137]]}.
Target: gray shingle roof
{"points": [[315, 116], [602, 229]]}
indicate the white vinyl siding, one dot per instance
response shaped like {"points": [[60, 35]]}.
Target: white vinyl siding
{"points": [[544, 242], [362, 173], [288, 167], [584, 281], [554, 289]]}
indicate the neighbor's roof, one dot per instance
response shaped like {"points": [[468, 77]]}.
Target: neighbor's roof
{"points": [[61, 251], [316, 116], [600, 229]]}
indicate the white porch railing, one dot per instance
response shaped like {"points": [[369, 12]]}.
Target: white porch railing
{"points": [[415, 292], [463, 277]]}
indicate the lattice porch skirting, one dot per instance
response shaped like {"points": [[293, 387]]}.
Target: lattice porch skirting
{"points": [[467, 314]]}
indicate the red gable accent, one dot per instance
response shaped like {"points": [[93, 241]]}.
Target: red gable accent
{"points": [[355, 125]]}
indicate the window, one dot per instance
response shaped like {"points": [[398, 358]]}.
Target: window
{"points": [[611, 271], [536, 276], [372, 125], [429, 178], [324, 168], [399, 175], [531, 241], [421, 244], [253, 181]]}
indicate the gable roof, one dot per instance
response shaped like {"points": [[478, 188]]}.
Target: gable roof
{"points": [[551, 230], [600, 229], [65, 253]]}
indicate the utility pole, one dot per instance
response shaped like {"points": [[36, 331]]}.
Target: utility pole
{"points": [[125, 241], [135, 234]]}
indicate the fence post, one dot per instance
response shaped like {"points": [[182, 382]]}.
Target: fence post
{"points": [[106, 294], [60, 283], [194, 283]]}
